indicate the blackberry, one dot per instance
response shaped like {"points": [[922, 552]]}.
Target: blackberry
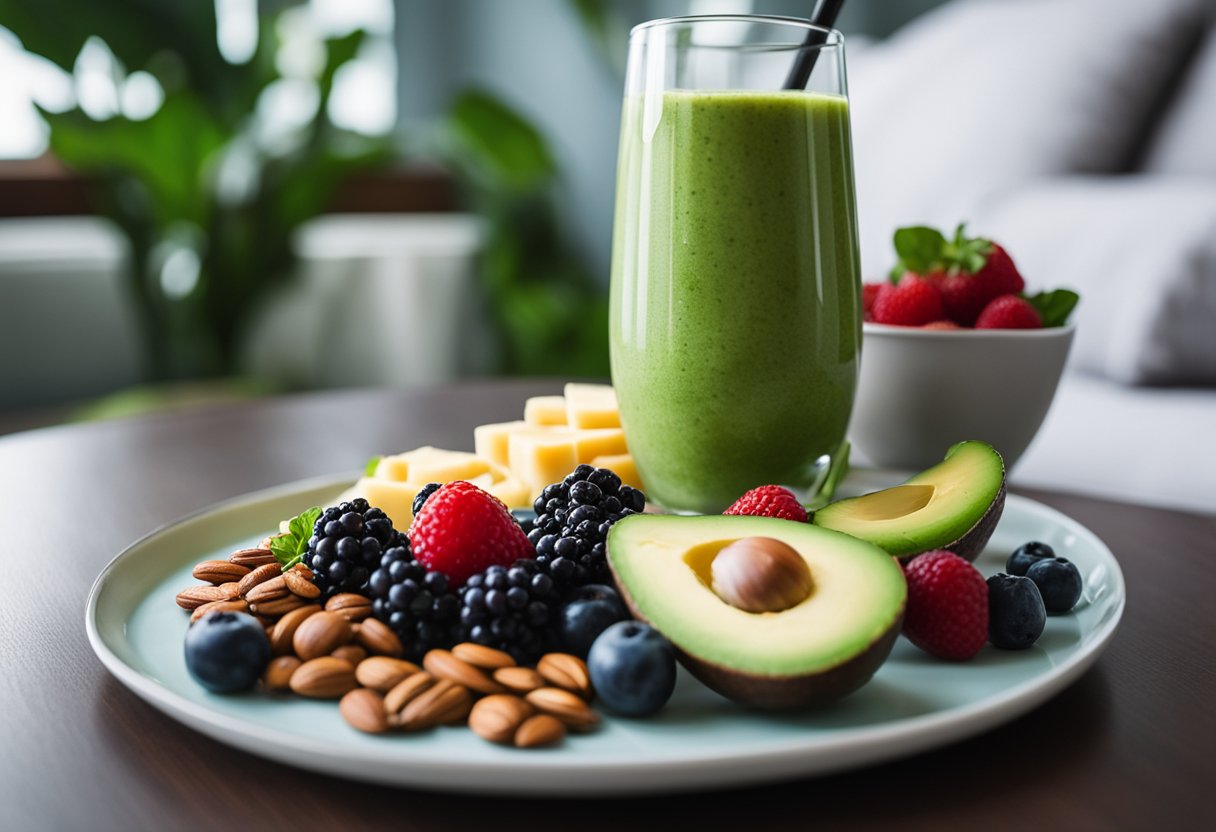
{"points": [[346, 545], [510, 609], [572, 522], [418, 605], [425, 494]]}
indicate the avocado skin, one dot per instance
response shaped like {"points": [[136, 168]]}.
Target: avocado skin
{"points": [[783, 693], [969, 546]]}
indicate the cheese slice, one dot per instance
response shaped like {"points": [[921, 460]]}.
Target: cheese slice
{"points": [[540, 457], [591, 406], [490, 441]]}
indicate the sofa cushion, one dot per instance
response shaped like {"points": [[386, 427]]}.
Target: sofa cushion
{"points": [[1141, 250], [1185, 142], [981, 96]]}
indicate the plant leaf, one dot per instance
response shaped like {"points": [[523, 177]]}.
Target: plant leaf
{"points": [[370, 468], [920, 249], [289, 548], [1054, 307]]}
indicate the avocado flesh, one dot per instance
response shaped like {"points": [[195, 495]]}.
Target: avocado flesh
{"points": [[817, 650], [954, 505]]}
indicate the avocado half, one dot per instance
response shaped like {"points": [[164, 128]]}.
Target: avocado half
{"points": [[955, 505], [814, 652]]}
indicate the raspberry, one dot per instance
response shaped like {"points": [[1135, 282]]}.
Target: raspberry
{"points": [[913, 302], [462, 530], [947, 612], [1009, 312], [769, 501]]}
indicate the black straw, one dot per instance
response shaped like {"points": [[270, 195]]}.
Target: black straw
{"points": [[825, 16]]}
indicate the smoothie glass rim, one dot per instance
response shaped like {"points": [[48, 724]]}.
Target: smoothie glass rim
{"points": [[834, 36]]}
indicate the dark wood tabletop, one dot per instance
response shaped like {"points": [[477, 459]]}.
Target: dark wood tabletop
{"points": [[1131, 745]]}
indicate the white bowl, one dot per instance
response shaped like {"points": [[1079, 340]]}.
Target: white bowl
{"points": [[922, 390]]}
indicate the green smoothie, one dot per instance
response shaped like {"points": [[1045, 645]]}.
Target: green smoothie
{"points": [[735, 313]]}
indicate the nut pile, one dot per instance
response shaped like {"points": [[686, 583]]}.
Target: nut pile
{"points": [[340, 650]]}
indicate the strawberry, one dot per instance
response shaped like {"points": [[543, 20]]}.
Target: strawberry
{"points": [[947, 610], [769, 501], [461, 530], [914, 301], [1009, 312], [869, 291], [969, 271]]}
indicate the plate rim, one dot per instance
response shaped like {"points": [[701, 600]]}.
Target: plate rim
{"points": [[789, 759]]}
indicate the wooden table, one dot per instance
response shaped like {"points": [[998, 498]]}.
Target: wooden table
{"points": [[1132, 745]]}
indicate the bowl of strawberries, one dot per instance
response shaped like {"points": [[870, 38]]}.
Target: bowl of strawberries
{"points": [[955, 348]]}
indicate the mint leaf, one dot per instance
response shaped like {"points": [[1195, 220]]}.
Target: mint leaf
{"points": [[1054, 307], [920, 249], [289, 548], [369, 470]]}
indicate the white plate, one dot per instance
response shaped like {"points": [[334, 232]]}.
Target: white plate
{"points": [[700, 741]]}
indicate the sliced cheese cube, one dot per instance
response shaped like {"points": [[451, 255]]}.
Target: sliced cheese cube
{"points": [[490, 441], [591, 406], [623, 465], [539, 457], [589, 444], [392, 468], [458, 466], [545, 410], [513, 491]]}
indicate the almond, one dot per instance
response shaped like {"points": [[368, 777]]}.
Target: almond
{"points": [[259, 575], [445, 701], [196, 596], [478, 655], [376, 636], [355, 607], [443, 664], [564, 705], [284, 629], [565, 671], [278, 606], [382, 673], [496, 718], [320, 634], [253, 558], [219, 571], [352, 653], [219, 606], [324, 678], [539, 730], [277, 676], [363, 709], [518, 679], [267, 590], [405, 691], [297, 584]]}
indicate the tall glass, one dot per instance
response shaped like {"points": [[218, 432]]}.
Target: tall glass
{"points": [[735, 312]]}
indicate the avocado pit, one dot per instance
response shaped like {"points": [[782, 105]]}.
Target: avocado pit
{"points": [[760, 574]]}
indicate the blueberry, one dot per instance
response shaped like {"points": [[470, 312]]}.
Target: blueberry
{"points": [[227, 651], [591, 610], [1016, 615], [633, 668], [1059, 583], [1025, 555]]}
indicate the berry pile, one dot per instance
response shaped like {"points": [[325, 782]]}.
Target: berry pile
{"points": [[512, 609], [963, 282], [572, 522], [347, 543], [418, 605]]}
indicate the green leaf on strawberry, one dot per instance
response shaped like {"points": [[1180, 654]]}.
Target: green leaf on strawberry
{"points": [[288, 549], [923, 250], [1054, 307]]}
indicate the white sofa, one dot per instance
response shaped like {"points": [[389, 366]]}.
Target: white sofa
{"points": [[1081, 134]]}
